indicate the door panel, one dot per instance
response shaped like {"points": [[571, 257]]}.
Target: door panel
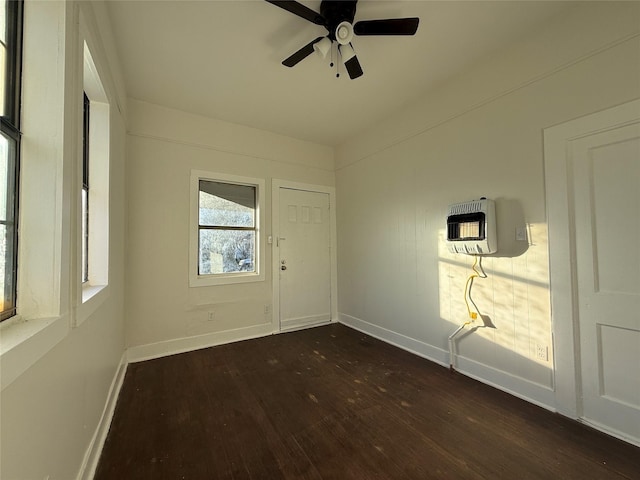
{"points": [[606, 172], [304, 258]]}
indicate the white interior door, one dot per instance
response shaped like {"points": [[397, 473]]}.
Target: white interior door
{"points": [[304, 247], [606, 174]]}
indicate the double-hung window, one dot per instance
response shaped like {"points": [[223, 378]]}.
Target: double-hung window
{"points": [[85, 190], [10, 80], [227, 229], [93, 185]]}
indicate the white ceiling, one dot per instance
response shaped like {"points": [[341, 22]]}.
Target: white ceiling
{"points": [[222, 59]]}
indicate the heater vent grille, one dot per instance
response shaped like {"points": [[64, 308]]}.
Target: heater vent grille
{"points": [[471, 227], [468, 207]]}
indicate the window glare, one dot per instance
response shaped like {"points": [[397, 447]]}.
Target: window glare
{"points": [[3, 254], [3, 54], [10, 14], [4, 181], [4, 157], [3, 74], [7, 227], [85, 235], [3, 23]]}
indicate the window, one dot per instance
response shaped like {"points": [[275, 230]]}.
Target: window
{"points": [[226, 228], [10, 80], [93, 192], [227, 240], [85, 190]]}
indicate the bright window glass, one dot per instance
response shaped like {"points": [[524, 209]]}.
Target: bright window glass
{"points": [[10, 76], [3, 54], [7, 226], [227, 231]]}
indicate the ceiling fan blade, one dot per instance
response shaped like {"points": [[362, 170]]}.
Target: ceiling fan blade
{"points": [[301, 54], [350, 60], [392, 26], [298, 9], [353, 68]]}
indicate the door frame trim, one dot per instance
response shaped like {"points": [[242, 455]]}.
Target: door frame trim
{"points": [[562, 248], [276, 185]]}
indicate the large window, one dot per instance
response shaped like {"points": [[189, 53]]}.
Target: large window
{"points": [[226, 227], [227, 240], [85, 190], [10, 79], [93, 235]]}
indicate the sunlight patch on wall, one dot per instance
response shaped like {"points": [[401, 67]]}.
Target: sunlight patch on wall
{"points": [[513, 302]]}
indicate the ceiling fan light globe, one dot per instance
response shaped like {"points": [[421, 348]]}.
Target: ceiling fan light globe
{"points": [[322, 47], [344, 33]]}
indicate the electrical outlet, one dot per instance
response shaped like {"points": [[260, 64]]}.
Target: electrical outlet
{"points": [[267, 309], [542, 352], [521, 234], [211, 316]]}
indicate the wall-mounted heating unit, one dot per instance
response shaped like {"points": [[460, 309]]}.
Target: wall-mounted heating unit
{"points": [[471, 227]]}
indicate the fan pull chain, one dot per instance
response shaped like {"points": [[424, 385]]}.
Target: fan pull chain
{"points": [[331, 64]]}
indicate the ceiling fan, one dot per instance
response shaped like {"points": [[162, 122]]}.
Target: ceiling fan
{"points": [[337, 17]]}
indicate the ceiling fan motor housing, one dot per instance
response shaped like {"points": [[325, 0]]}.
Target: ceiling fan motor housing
{"points": [[339, 16]]}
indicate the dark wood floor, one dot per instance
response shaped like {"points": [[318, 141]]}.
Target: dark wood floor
{"points": [[332, 403]]}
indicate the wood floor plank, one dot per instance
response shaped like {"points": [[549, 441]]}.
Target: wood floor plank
{"points": [[332, 403]]}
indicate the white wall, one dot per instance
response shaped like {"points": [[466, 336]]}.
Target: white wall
{"points": [[163, 313], [480, 134], [56, 378]]}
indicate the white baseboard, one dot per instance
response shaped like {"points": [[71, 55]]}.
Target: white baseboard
{"points": [[399, 340], [611, 431], [149, 351], [536, 393], [532, 392], [304, 322], [92, 455]]}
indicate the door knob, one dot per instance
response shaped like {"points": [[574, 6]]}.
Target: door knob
{"points": [[283, 267]]}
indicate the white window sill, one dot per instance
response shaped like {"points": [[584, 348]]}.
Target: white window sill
{"points": [[92, 297], [221, 279], [24, 342]]}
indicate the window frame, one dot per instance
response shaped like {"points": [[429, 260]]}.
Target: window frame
{"points": [[196, 279], [86, 116], [10, 128], [229, 228], [12, 101], [92, 292]]}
